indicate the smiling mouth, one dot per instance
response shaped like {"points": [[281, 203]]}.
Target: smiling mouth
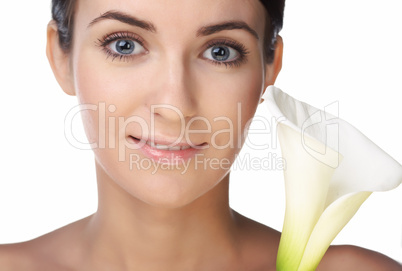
{"points": [[168, 147]]}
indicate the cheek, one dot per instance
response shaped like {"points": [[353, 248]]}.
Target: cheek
{"points": [[235, 99], [97, 82], [111, 93]]}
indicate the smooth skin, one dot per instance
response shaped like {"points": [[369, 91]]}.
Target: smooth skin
{"points": [[166, 221]]}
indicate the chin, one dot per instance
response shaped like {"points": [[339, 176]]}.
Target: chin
{"points": [[169, 190], [170, 187]]}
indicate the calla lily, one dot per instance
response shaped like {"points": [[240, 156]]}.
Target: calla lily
{"points": [[331, 169]]}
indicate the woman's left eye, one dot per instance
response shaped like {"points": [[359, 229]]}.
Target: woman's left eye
{"points": [[221, 53], [126, 47]]}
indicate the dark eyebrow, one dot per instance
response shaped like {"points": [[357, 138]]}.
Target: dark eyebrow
{"points": [[124, 18], [203, 31], [230, 25]]}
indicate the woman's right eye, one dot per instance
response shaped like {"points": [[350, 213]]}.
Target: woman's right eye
{"points": [[122, 45], [126, 47]]}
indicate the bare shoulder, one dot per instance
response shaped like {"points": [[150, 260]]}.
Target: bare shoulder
{"points": [[348, 257], [16, 257], [7, 258], [57, 250], [34, 255]]}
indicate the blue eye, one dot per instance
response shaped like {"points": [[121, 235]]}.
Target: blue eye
{"points": [[126, 47], [221, 53]]}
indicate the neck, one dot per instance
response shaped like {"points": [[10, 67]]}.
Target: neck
{"points": [[130, 233]]}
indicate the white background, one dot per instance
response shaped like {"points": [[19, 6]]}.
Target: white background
{"points": [[345, 51]]}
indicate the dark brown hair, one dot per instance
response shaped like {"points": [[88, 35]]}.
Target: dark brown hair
{"points": [[63, 14]]}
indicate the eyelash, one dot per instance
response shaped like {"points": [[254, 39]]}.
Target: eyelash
{"points": [[240, 48], [109, 38]]}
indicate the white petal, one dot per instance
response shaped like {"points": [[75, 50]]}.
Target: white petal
{"points": [[365, 166], [331, 169], [306, 184]]}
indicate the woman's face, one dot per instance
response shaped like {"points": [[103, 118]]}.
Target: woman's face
{"points": [[168, 88]]}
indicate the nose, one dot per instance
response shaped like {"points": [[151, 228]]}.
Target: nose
{"points": [[175, 89]]}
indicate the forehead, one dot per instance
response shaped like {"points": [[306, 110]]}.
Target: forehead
{"points": [[177, 14]]}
